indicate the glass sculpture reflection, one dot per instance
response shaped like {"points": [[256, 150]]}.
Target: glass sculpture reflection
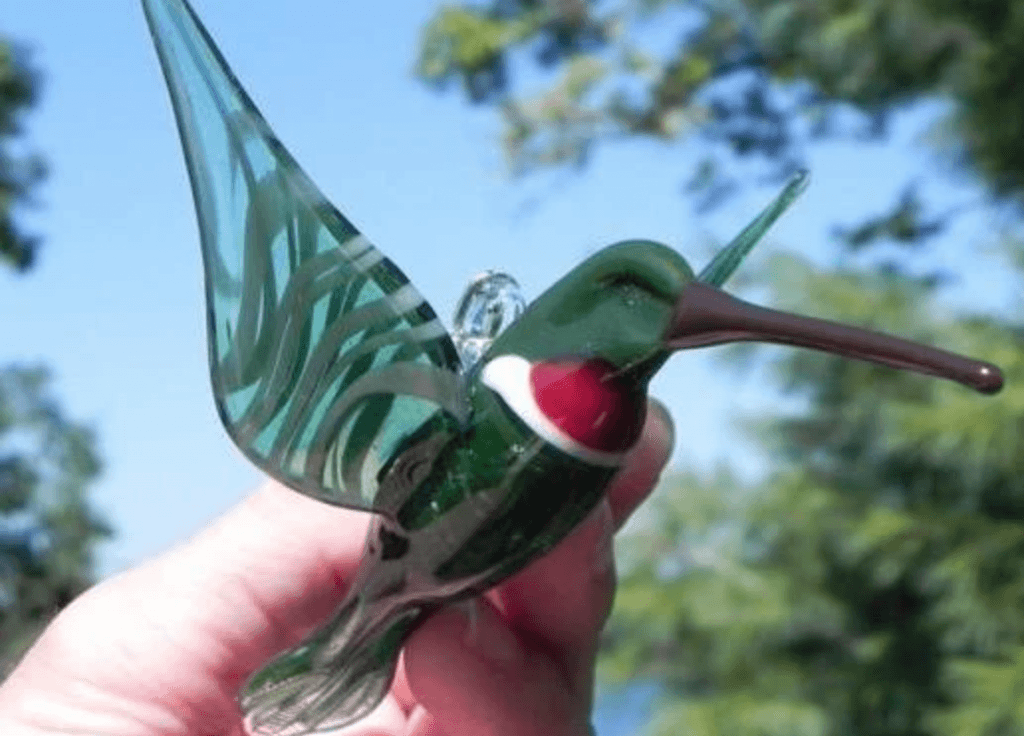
{"points": [[334, 376]]}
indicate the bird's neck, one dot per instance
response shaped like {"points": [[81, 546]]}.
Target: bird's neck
{"points": [[584, 407]]}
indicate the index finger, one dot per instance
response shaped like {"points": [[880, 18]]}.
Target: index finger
{"points": [[563, 599]]}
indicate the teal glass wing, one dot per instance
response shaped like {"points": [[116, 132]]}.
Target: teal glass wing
{"points": [[725, 262], [324, 358]]}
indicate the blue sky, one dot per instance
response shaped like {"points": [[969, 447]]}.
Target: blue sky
{"points": [[115, 304]]}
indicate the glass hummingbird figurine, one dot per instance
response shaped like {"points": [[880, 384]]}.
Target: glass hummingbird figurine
{"points": [[334, 376]]}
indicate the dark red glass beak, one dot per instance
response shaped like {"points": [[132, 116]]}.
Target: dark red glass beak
{"points": [[705, 316]]}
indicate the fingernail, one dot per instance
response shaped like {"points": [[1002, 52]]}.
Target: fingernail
{"points": [[664, 417], [604, 556], [488, 635]]}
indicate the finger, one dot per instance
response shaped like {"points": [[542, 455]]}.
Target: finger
{"points": [[267, 571], [196, 621], [487, 682], [387, 719], [422, 723], [400, 686], [646, 461], [563, 599], [564, 596]]}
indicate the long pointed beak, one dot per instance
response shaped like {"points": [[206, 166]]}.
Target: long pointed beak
{"points": [[706, 316]]}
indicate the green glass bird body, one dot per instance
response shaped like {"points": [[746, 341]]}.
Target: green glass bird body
{"points": [[334, 376]]}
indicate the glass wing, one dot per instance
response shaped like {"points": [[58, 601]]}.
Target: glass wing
{"points": [[324, 358], [721, 267]]}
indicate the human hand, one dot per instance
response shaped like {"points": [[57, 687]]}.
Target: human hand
{"points": [[162, 649]]}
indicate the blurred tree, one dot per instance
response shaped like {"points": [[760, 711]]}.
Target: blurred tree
{"points": [[754, 78], [47, 528], [19, 85], [873, 583]]}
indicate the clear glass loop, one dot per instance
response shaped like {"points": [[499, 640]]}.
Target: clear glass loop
{"points": [[491, 302]]}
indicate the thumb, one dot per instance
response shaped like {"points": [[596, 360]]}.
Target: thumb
{"points": [[188, 627]]}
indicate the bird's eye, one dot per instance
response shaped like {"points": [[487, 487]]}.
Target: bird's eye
{"points": [[626, 282], [627, 288]]}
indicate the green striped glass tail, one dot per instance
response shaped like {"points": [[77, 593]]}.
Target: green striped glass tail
{"points": [[323, 356], [729, 258], [336, 677]]}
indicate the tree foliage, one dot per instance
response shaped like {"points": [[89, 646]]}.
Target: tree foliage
{"points": [[754, 79], [873, 583], [47, 528], [19, 171]]}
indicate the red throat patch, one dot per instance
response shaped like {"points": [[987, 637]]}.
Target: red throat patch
{"points": [[588, 402]]}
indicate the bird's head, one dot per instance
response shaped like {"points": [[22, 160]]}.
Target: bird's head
{"points": [[634, 303], [617, 306]]}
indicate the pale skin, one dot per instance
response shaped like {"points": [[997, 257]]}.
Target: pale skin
{"points": [[162, 649]]}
